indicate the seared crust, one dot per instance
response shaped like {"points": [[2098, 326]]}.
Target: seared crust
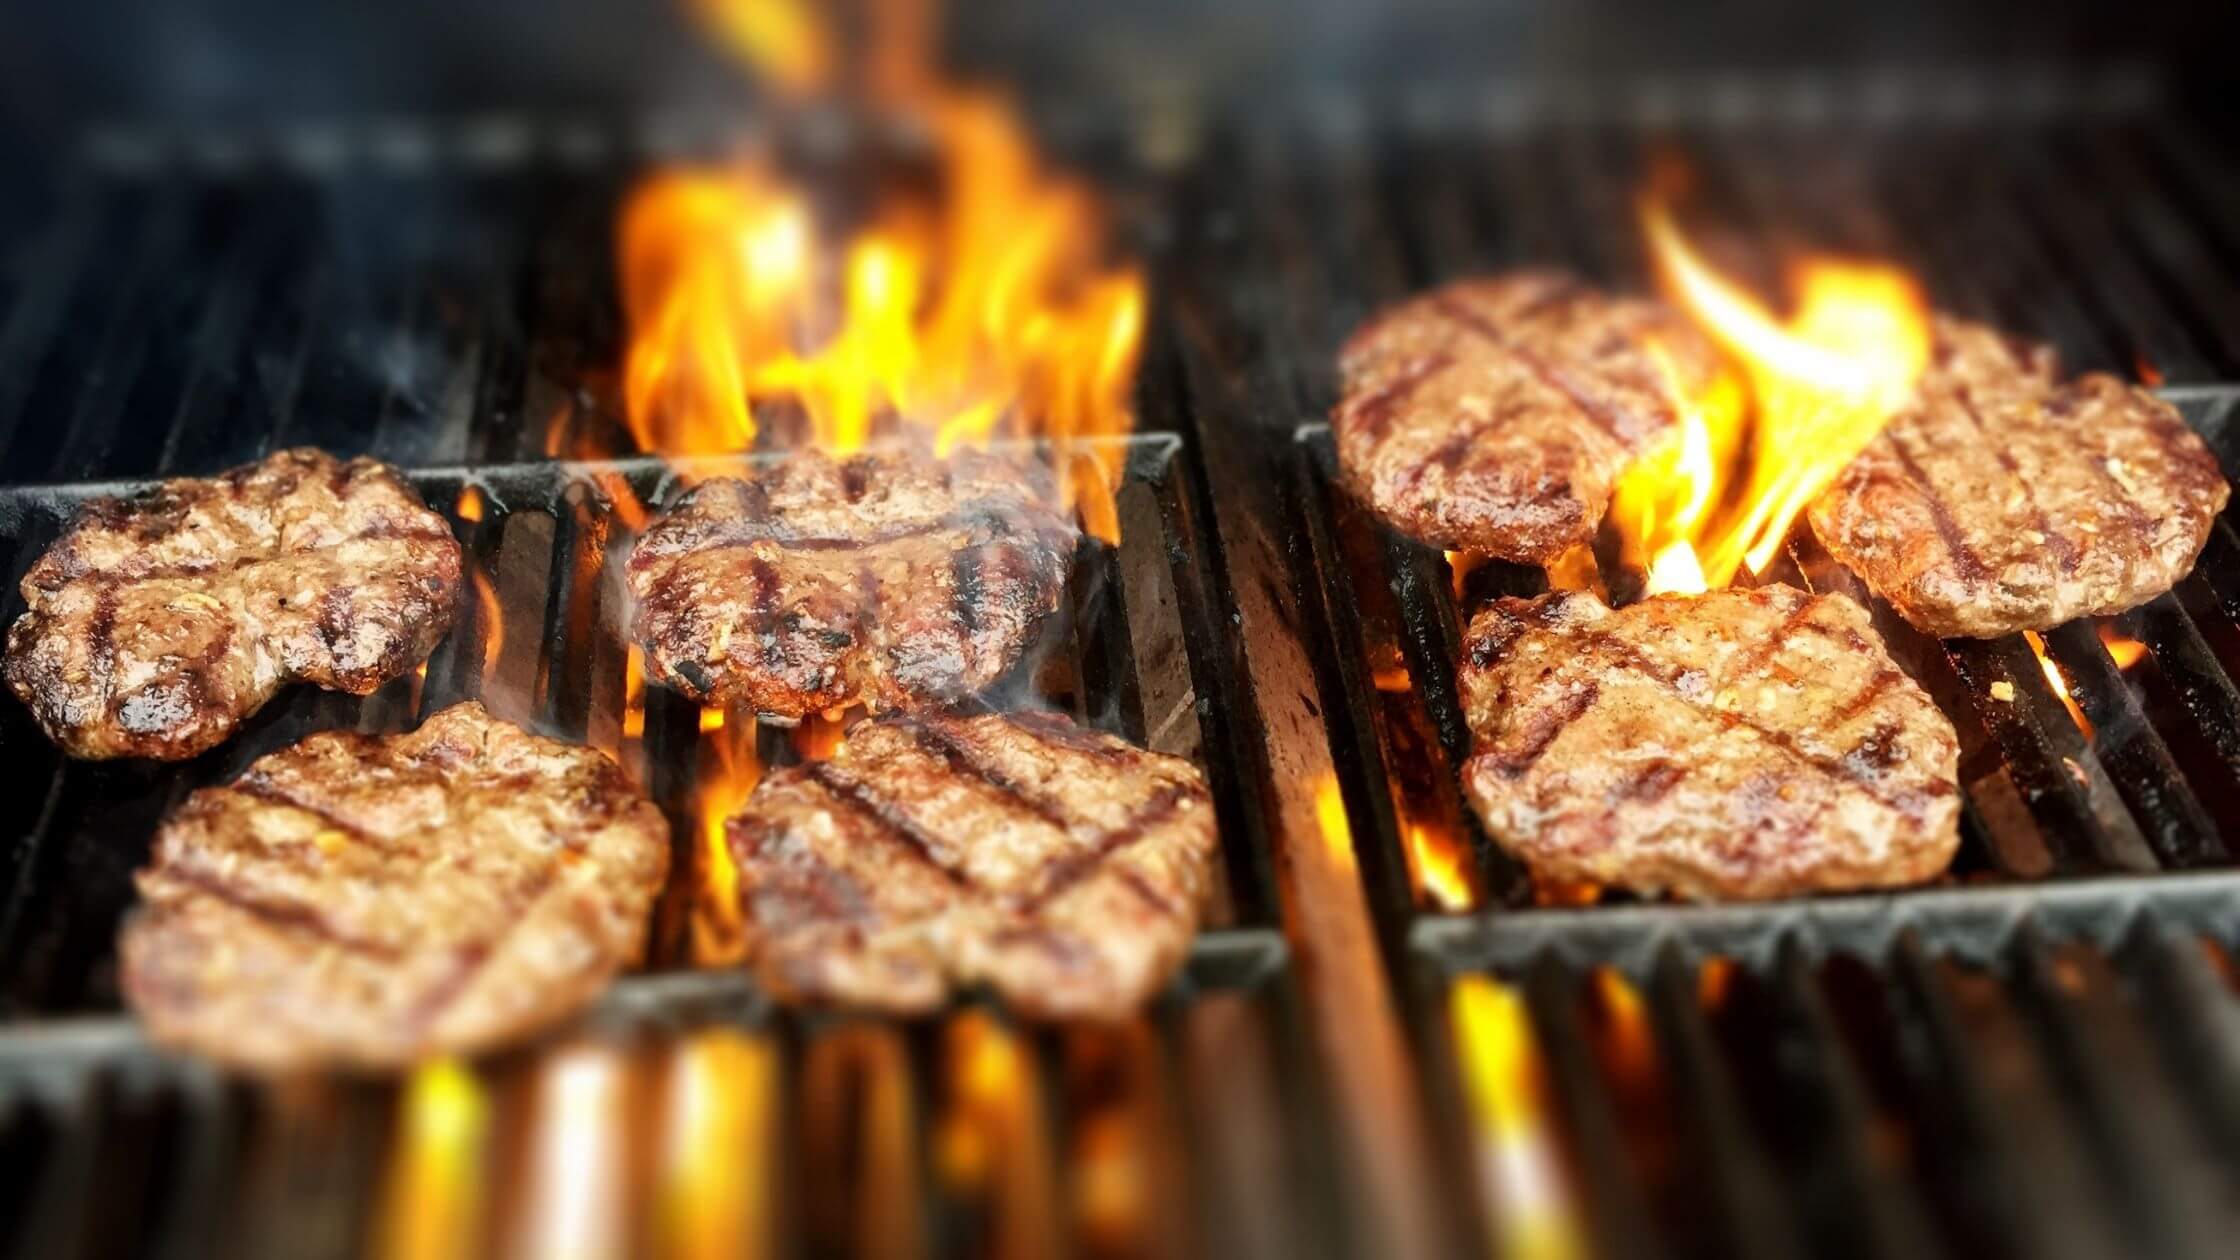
{"points": [[892, 578], [157, 623], [2002, 499], [366, 901], [1057, 865], [1743, 744], [1494, 414]]}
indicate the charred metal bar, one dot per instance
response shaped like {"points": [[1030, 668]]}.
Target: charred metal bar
{"points": [[1615, 1206], [1755, 1222]]}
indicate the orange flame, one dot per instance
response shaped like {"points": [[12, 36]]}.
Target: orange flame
{"points": [[729, 770], [470, 503], [1330, 817], [1441, 862], [1752, 452], [2059, 683], [2125, 652], [434, 1197], [983, 309], [1519, 1159], [782, 39], [493, 619], [716, 1184]]}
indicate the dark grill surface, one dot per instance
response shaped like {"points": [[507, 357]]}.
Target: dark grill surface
{"points": [[2041, 1057]]}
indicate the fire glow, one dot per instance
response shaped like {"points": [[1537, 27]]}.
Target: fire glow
{"points": [[1753, 449], [986, 309]]}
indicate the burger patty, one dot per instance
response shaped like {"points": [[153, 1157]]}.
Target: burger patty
{"points": [[891, 578], [1494, 414], [158, 622], [2004, 499], [1057, 865], [1743, 744], [366, 901]]}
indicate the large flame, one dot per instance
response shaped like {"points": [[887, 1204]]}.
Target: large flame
{"points": [[980, 306], [1751, 452]]}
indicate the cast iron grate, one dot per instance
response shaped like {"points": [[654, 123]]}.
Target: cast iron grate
{"points": [[540, 640]]}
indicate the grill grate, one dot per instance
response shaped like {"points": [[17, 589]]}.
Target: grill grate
{"points": [[539, 639], [2036, 1060], [1990, 1086]]}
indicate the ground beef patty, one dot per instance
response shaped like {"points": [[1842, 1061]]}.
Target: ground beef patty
{"points": [[1494, 414], [157, 623], [1742, 744], [1059, 866], [2003, 499], [889, 577], [366, 901]]}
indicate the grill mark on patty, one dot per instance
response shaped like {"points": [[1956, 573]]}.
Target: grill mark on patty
{"points": [[472, 957], [1600, 414], [334, 619], [2135, 514], [891, 822], [993, 515], [2065, 551], [967, 590], [1546, 725], [1652, 782], [101, 642], [1079, 865], [962, 759], [1374, 413], [1868, 695], [1051, 728], [262, 789], [1134, 882], [1562, 293], [1754, 658], [388, 531], [283, 916], [1631, 658], [1964, 557]]}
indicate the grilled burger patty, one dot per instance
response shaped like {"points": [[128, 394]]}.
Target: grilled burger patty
{"points": [[157, 623], [366, 901], [1743, 744], [891, 577], [1494, 414], [2004, 499], [1058, 865]]}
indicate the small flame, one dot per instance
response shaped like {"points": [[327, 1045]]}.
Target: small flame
{"points": [[1752, 451], [572, 1201], [493, 619], [1629, 1046], [729, 771], [2125, 652], [2055, 680], [1442, 866], [1714, 981], [782, 39], [1459, 565], [470, 504], [1519, 1159], [634, 694], [716, 1187], [1575, 570], [991, 1146], [433, 1205], [1330, 814]]}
